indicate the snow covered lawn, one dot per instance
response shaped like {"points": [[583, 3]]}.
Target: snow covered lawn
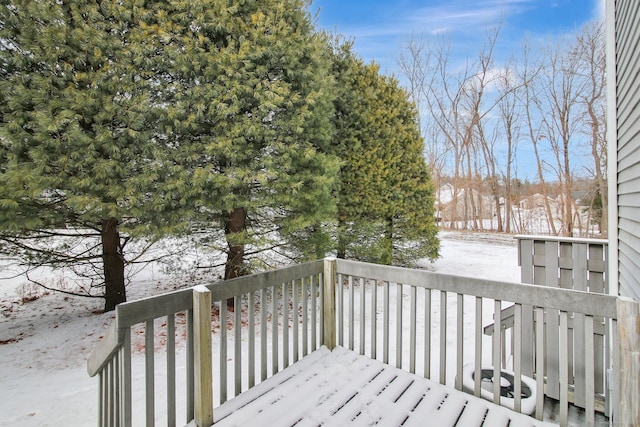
{"points": [[44, 343]]}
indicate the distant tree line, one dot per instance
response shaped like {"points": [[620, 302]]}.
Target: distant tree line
{"points": [[125, 122], [548, 100]]}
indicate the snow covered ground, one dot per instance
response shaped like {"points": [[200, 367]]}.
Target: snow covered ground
{"points": [[45, 340]]}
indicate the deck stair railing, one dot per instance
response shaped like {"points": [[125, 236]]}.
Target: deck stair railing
{"points": [[427, 323]]}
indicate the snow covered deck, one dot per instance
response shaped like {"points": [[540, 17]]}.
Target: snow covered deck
{"points": [[341, 387], [418, 321]]}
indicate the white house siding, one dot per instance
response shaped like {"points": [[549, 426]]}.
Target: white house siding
{"points": [[626, 161]]}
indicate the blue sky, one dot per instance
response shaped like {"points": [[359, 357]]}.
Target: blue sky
{"points": [[381, 27]]}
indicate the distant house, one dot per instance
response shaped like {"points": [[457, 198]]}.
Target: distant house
{"points": [[535, 201], [447, 200]]}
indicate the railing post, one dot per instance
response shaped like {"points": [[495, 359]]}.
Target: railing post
{"points": [[628, 352], [203, 380], [329, 300]]}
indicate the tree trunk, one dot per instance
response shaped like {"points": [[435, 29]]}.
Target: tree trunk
{"points": [[342, 243], [235, 225], [113, 265], [387, 254]]}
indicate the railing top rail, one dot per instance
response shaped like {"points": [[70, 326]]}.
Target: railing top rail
{"points": [[246, 284], [105, 349], [587, 240], [131, 313], [520, 293]]}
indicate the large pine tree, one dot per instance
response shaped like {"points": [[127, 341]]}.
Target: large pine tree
{"points": [[249, 119], [385, 202], [77, 133]]}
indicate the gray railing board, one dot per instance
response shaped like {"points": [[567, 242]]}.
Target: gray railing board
{"points": [[254, 282], [285, 325], [171, 370], [522, 293], [106, 348], [574, 263], [274, 331], [251, 311], [305, 308], [478, 345], [329, 304], [552, 304], [139, 311], [237, 350], [149, 359], [552, 324], [362, 314], [427, 333], [398, 326], [296, 323], [314, 309]]}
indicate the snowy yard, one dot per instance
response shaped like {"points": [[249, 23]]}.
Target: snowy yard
{"points": [[44, 343]]}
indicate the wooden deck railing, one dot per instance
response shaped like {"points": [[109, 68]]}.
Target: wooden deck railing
{"points": [[568, 263], [266, 305], [428, 323]]}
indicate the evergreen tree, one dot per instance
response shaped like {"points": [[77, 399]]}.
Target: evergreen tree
{"points": [[385, 202], [76, 134], [248, 117]]}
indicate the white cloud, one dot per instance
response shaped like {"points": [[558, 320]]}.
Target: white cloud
{"points": [[599, 9], [465, 14]]}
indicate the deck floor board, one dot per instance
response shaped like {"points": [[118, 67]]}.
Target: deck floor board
{"points": [[340, 388]]}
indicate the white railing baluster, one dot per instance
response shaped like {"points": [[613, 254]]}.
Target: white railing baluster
{"points": [[251, 345], [102, 398], [285, 325], [314, 313], [296, 321], [517, 357], [237, 344], [362, 315], [149, 373], [351, 313], [263, 334], [171, 370], [374, 319], [443, 337], [589, 371], [126, 378], [275, 358], [385, 325], [305, 317], [223, 351], [427, 333], [398, 325], [412, 331], [563, 362], [497, 350], [478, 347], [190, 366], [340, 309], [116, 388], [321, 309], [539, 368], [106, 384], [459, 341]]}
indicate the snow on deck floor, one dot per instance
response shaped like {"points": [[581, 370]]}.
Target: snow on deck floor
{"points": [[340, 387]]}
